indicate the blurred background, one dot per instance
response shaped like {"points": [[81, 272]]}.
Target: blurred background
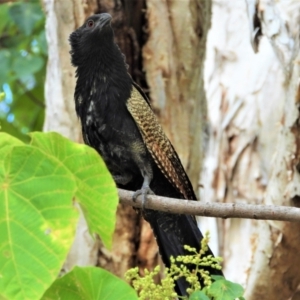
{"points": [[23, 57]]}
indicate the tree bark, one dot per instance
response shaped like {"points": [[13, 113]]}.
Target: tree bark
{"points": [[173, 61], [253, 151]]}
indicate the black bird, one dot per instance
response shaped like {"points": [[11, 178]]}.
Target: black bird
{"points": [[117, 120]]}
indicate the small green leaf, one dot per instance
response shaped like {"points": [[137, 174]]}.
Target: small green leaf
{"points": [[217, 277], [37, 219], [26, 15], [97, 193], [90, 283], [27, 64], [198, 295], [223, 289]]}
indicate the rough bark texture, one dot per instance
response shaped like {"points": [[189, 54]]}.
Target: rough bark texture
{"points": [[253, 151], [173, 61]]}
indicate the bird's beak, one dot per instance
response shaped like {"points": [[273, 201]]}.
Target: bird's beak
{"points": [[105, 19]]}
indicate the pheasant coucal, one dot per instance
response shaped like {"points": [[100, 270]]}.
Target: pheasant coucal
{"points": [[117, 120]]}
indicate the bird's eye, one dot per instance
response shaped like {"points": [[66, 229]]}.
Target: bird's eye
{"points": [[90, 23]]}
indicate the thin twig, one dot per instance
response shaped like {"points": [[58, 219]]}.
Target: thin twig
{"points": [[212, 209]]}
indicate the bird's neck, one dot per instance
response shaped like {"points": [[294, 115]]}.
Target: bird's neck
{"points": [[103, 73]]}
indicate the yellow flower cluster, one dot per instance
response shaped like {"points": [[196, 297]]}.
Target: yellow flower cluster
{"points": [[147, 289]]}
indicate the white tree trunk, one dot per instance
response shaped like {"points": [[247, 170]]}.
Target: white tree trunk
{"points": [[61, 19], [253, 149]]}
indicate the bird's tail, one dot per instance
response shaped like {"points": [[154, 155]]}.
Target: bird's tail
{"points": [[172, 232]]}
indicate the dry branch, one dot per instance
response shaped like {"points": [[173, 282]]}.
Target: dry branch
{"points": [[212, 209]]}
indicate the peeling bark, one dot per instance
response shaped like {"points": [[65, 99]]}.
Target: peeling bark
{"points": [[253, 153]]}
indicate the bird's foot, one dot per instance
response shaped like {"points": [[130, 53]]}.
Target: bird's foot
{"points": [[144, 191]]}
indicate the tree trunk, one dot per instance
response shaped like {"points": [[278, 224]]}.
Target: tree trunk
{"points": [[173, 61], [253, 151]]}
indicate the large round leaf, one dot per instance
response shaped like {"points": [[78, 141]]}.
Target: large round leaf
{"points": [[90, 283], [97, 193], [37, 220]]}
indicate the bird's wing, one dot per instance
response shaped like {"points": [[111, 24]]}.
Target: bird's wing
{"points": [[158, 144]]}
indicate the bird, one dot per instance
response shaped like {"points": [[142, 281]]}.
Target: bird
{"points": [[118, 122]]}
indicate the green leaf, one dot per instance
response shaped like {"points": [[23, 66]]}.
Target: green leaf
{"points": [[198, 295], [90, 283], [223, 289], [97, 193], [22, 59], [217, 277], [25, 16], [27, 64], [6, 142], [37, 220]]}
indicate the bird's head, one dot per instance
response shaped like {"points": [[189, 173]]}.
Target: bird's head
{"points": [[90, 38]]}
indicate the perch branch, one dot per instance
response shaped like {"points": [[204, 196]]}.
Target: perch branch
{"points": [[213, 209]]}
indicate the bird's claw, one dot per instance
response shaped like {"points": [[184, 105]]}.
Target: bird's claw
{"points": [[144, 191]]}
